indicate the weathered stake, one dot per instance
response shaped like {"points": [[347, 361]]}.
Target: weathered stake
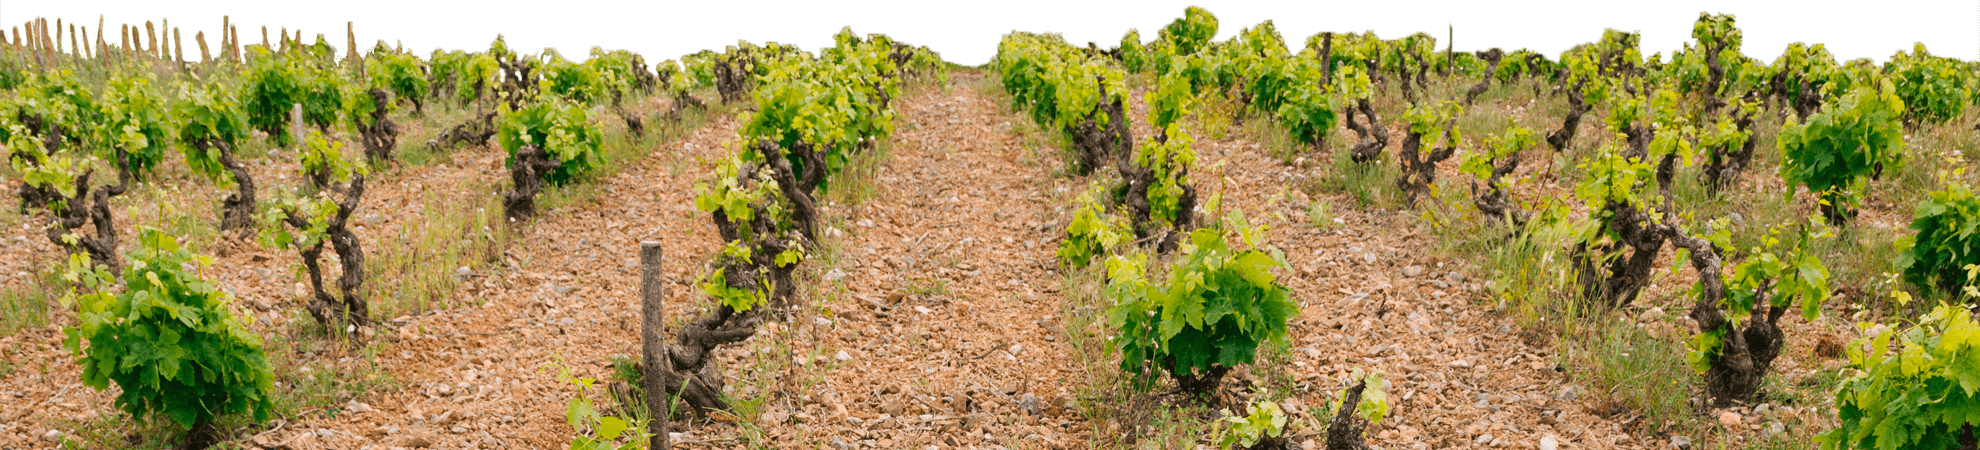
{"points": [[652, 289]]}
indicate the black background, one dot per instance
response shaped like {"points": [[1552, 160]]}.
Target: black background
{"points": [[967, 32]]}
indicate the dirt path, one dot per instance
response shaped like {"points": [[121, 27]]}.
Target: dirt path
{"points": [[946, 297]]}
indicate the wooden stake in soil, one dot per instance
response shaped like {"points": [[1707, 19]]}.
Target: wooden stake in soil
{"points": [[653, 344], [151, 40], [350, 41], [204, 57], [296, 126], [178, 48]]}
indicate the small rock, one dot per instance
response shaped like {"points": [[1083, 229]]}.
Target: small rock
{"points": [[923, 309], [1569, 394], [1368, 258], [864, 223], [821, 321], [1028, 403], [562, 290], [842, 356], [1549, 443], [1680, 442], [1483, 439], [772, 417], [1413, 271], [1017, 348], [1729, 419], [357, 408], [1652, 315], [326, 433], [52, 436], [834, 275], [463, 272], [415, 441]]}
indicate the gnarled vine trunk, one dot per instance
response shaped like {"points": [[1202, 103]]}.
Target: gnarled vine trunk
{"points": [[1606, 274], [89, 206], [1094, 143], [203, 435], [51, 141], [732, 75], [1724, 164], [682, 101], [1577, 106], [1345, 431], [381, 135], [330, 310], [526, 171], [1419, 169], [1494, 202], [1195, 383], [688, 374], [634, 121], [1373, 136], [475, 131], [238, 207], [1745, 352], [1141, 213], [1491, 58]]}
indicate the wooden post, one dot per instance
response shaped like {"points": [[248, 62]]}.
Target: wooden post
{"points": [[350, 42], [296, 126], [652, 290], [178, 49], [204, 56]]}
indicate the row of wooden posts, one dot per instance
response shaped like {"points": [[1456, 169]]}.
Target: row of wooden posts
{"points": [[44, 42]]}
